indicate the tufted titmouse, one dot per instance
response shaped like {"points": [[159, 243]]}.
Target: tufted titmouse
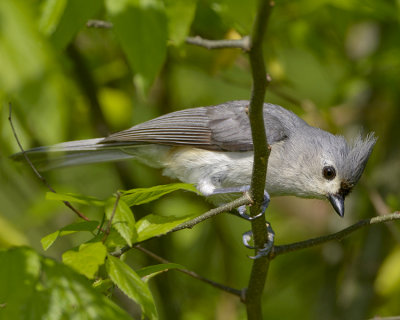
{"points": [[212, 148]]}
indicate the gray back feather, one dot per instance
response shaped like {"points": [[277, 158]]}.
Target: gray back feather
{"points": [[224, 127]]}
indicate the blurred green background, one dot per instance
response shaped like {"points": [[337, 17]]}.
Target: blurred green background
{"points": [[334, 63]]}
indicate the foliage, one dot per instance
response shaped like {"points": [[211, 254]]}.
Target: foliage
{"points": [[333, 62], [39, 272], [36, 287]]}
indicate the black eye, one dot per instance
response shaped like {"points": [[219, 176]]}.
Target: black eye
{"points": [[329, 172]]}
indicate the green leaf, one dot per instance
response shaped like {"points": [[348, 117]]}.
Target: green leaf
{"points": [[114, 240], [19, 271], [180, 14], [122, 219], [103, 285], [141, 27], [10, 235], [61, 19], [387, 282], [79, 226], [31, 76], [48, 240], [138, 196], [238, 16], [149, 272], [153, 225], [87, 259], [36, 287], [132, 285], [76, 198], [52, 11]]}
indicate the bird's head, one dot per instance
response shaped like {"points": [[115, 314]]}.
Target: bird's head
{"points": [[336, 166]]}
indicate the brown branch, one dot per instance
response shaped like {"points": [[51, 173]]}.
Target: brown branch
{"points": [[37, 173], [193, 274], [261, 154], [278, 250], [243, 43]]}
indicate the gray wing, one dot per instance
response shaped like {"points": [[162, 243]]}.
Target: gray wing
{"points": [[224, 127]]}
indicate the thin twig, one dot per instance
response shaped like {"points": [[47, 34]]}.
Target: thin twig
{"points": [[100, 24], [41, 178], [243, 43], [244, 200], [193, 274], [278, 250]]}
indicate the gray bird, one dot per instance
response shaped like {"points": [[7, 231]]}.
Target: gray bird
{"points": [[212, 148]]}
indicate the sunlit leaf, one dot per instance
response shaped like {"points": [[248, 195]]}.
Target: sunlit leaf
{"points": [[154, 225], [103, 285], [180, 14], [48, 240], [144, 195], [88, 258], [30, 74], [388, 279], [122, 219], [116, 106], [238, 16], [10, 235], [76, 198], [79, 226], [52, 11], [19, 271], [132, 285], [114, 240]]}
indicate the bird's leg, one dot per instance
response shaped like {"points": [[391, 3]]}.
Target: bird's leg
{"points": [[247, 237], [241, 211]]}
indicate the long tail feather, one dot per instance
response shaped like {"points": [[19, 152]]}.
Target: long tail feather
{"points": [[74, 153]]}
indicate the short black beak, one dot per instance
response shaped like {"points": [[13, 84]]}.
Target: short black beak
{"points": [[337, 202]]}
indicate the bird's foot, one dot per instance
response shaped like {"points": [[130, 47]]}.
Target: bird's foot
{"points": [[242, 209], [260, 252]]}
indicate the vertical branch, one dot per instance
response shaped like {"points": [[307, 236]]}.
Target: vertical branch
{"points": [[261, 154]]}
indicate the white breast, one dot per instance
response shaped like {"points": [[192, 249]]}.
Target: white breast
{"points": [[209, 170]]}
